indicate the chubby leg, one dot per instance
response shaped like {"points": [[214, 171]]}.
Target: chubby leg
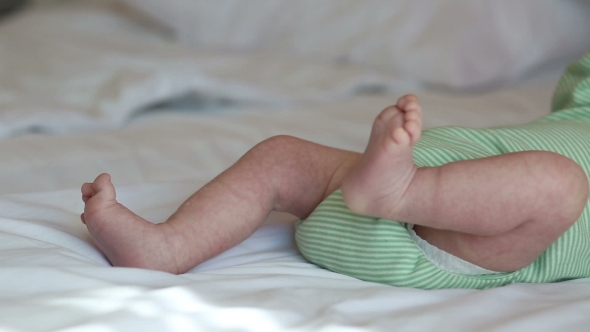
{"points": [[282, 173], [499, 212]]}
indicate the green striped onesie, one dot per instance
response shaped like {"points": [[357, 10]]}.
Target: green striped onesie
{"points": [[383, 251]]}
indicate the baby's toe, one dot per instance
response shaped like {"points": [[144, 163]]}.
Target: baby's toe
{"points": [[102, 185], [87, 189], [414, 130], [412, 106], [388, 113], [400, 136], [413, 116], [403, 101]]}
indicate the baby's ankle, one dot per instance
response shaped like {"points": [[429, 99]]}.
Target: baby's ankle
{"points": [[376, 200]]}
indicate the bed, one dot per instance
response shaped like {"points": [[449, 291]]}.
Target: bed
{"points": [[165, 95]]}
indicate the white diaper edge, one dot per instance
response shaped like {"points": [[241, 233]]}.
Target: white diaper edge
{"points": [[444, 260]]}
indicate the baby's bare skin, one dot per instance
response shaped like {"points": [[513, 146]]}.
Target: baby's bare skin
{"points": [[124, 237], [494, 212], [377, 183]]}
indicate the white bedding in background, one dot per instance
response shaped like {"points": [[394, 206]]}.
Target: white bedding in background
{"points": [[172, 144], [52, 277], [70, 69], [451, 43]]}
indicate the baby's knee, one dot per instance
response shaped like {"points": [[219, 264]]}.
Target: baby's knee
{"points": [[569, 183], [278, 144]]}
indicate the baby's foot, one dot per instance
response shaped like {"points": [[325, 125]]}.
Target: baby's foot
{"points": [[124, 237], [378, 182]]}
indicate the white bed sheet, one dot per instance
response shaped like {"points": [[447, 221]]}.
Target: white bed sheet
{"points": [[54, 279]]}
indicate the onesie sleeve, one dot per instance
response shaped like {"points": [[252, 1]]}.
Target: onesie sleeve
{"points": [[573, 90]]}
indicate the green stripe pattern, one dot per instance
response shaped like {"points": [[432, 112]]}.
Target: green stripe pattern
{"points": [[382, 251]]}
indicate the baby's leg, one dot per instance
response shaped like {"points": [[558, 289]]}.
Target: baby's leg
{"points": [[282, 173], [516, 204]]}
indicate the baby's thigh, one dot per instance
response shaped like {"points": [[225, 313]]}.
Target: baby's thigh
{"points": [[506, 252]]}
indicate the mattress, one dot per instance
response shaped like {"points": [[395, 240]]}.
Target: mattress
{"points": [[164, 126]]}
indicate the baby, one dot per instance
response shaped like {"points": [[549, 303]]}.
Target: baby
{"points": [[445, 208]]}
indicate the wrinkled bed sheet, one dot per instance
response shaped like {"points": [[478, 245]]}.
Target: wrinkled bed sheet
{"points": [[53, 278], [175, 143], [74, 68]]}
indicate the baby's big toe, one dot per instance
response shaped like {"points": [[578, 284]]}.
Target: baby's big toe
{"points": [[405, 100], [102, 185]]}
